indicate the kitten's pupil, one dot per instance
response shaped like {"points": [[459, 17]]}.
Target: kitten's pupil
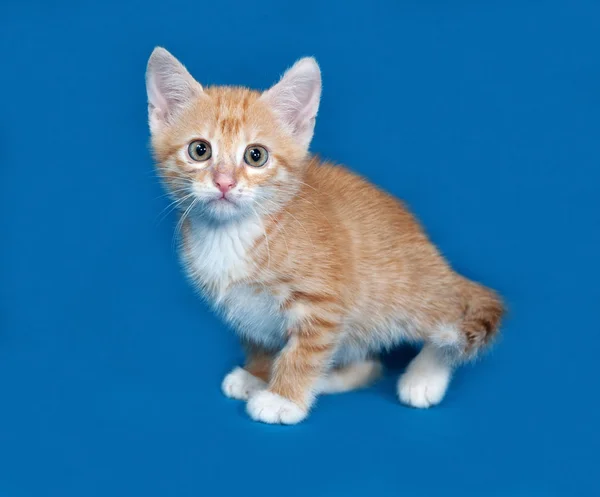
{"points": [[201, 149], [255, 154]]}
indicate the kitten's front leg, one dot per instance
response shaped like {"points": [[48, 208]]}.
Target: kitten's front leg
{"points": [[291, 391], [241, 383]]}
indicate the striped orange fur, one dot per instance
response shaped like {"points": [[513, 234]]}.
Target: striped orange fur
{"points": [[317, 269]]}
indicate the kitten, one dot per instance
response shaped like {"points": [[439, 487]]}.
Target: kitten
{"points": [[316, 269]]}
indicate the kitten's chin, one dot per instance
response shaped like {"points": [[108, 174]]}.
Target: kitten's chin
{"points": [[223, 210]]}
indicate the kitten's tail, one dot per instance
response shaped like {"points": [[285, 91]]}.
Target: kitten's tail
{"points": [[482, 312]]}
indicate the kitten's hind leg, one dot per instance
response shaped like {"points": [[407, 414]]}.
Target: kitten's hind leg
{"points": [[426, 378], [350, 377]]}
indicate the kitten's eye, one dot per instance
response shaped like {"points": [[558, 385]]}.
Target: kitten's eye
{"points": [[199, 150], [256, 156]]}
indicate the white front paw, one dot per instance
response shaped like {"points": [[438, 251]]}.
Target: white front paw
{"points": [[422, 388], [269, 407], [239, 384]]}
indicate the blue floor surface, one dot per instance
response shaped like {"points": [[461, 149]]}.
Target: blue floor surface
{"points": [[483, 116]]}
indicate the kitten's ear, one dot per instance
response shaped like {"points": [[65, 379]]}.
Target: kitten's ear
{"points": [[295, 99], [170, 88]]}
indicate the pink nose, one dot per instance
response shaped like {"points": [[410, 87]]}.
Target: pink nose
{"points": [[224, 182]]}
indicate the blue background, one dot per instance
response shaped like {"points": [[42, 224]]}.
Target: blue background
{"points": [[483, 116]]}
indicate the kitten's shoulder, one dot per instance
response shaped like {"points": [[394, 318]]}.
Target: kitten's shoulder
{"points": [[355, 199], [340, 181]]}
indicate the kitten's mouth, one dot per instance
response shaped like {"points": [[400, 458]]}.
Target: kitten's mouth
{"points": [[222, 200]]}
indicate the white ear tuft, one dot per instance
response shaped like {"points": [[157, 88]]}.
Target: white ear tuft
{"points": [[170, 88], [295, 99]]}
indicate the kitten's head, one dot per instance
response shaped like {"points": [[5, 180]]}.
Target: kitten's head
{"points": [[227, 153]]}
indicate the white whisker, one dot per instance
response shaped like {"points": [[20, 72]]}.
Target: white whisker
{"points": [[266, 237], [182, 220], [316, 208], [172, 206], [281, 226]]}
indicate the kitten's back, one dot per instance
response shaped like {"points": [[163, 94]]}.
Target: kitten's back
{"points": [[385, 260]]}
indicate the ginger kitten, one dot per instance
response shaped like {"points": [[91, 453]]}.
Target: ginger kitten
{"points": [[316, 269]]}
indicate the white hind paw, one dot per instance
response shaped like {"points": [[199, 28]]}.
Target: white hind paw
{"points": [[418, 390], [424, 383], [426, 379], [239, 384]]}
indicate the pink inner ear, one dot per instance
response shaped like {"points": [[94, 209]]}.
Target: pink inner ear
{"points": [[156, 118], [295, 99], [155, 99], [169, 85]]}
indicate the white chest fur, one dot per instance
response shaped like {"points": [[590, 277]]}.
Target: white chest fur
{"points": [[219, 261], [218, 255]]}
